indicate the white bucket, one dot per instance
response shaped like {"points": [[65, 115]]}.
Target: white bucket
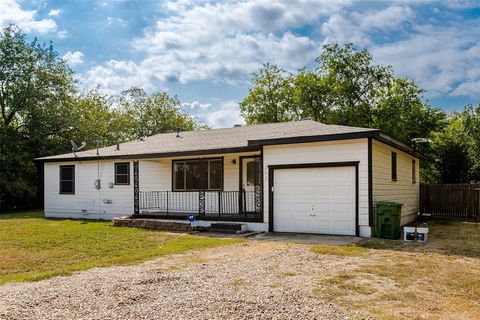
{"points": [[408, 233], [422, 233]]}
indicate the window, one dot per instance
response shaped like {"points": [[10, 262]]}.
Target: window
{"points": [[67, 179], [414, 171], [122, 173], [394, 166], [251, 173], [201, 174]]}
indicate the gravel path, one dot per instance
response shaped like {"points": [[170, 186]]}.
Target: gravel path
{"points": [[256, 279]]}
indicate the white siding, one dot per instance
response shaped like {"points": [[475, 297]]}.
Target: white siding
{"points": [[154, 175], [86, 197], [403, 190], [318, 152]]}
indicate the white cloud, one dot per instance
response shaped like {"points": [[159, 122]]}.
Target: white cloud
{"points": [[62, 34], [222, 115], [388, 18], [442, 59], [195, 106], [358, 27], [115, 76], [340, 29], [224, 42], [73, 58], [54, 12], [221, 42], [12, 13]]}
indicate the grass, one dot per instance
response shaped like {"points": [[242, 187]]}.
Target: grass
{"points": [[449, 237], [437, 280], [34, 248]]}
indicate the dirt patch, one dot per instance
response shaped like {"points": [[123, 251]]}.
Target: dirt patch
{"points": [[251, 280], [402, 285]]}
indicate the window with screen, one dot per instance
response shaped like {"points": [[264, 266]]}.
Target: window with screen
{"points": [[122, 173], [394, 166], [202, 174], [67, 179]]}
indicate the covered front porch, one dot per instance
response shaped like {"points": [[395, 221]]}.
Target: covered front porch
{"points": [[226, 187]]}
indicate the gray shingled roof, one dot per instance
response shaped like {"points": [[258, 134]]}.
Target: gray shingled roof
{"points": [[215, 139]]}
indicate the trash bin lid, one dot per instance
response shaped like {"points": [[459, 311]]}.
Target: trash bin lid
{"points": [[388, 204]]}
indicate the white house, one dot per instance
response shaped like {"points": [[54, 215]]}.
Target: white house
{"points": [[300, 176]]}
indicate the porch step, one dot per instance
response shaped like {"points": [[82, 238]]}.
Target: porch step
{"points": [[155, 224], [228, 227]]}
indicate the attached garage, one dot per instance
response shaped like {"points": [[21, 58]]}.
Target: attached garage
{"points": [[302, 176], [314, 198]]}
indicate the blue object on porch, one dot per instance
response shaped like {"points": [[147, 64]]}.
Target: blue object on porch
{"points": [[191, 218]]}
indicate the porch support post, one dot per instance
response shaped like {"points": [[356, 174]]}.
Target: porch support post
{"points": [[201, 203], [258, 188], [136, 191]]}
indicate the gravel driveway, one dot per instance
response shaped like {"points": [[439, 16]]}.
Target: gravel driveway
{"points": [[256, 279]]}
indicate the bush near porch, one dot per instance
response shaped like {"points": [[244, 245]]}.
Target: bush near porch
{"points": [[34, 248]]}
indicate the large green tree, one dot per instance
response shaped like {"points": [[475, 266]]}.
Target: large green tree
{"points": [[345, 88], [95, 116], [154, 113], [270, 98], [35, 89], [41, 110]]}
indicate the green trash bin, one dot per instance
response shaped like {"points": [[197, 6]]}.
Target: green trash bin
{"points": [[388, 219]]}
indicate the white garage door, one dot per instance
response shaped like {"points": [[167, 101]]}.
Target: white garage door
{"points": [[315, 200]]}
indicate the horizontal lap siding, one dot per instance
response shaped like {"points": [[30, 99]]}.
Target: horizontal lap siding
{"points": [[86, 196], [154, 175], [319, 152], [402, 190]]}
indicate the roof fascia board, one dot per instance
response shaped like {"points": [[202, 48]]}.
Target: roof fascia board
{"points": [[325, 137], [399, 145], [155, 155]]}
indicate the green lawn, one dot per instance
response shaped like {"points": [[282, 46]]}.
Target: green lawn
{"points": [[34, 248]]}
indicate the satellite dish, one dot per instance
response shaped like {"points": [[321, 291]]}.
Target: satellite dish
{"points": [[75, 147]]}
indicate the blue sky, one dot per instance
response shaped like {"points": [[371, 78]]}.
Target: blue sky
{"points": [[205, 52]]}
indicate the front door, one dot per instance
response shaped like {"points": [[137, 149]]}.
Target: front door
{"points": [[248, 184]]}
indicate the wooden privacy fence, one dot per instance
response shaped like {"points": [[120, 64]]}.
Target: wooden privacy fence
{"points": [[450, 200]]}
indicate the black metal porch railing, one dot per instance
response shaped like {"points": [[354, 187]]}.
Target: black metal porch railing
{"points": [[199, 203]]}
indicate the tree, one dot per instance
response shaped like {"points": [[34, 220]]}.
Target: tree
{"points": [[95, 116], [471, 128], [450, 150], [355, 84], [270, 98], [35, 88], [312, 96], [345, 88], [155, 113], [401, 112], [41, 110]]}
